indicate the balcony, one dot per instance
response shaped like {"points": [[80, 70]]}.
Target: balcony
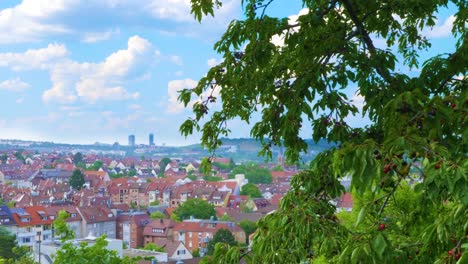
{"points": [[29, 234]]}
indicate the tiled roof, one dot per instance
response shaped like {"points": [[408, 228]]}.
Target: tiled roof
{"points": [[34, 215], [206, 226], [96, 214], [164, 224]]}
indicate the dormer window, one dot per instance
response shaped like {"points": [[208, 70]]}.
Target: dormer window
{"points": [[91, 217], [157, 230], [73, 215]]}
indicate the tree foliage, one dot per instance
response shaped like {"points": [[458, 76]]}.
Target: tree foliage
{"points": [[222, 236], [61, 228], [84, 253], [253, 172], [96, 165], [77, 158], [77, 179], [163, 164], [251, 190], [154, 247], [10, 252], [249, 227], [417, 123], [198, 208], [157, 215]]}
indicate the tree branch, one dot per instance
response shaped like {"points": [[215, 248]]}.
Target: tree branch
{"points": [[366, 39]]}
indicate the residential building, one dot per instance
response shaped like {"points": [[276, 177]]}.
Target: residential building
{"points": [[196, 234], [130, 228], [31, 222], [158, 229], [97, 221]]}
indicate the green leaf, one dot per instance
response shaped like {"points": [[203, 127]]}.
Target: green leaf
{"points": [[379, 245], [362, 214]]}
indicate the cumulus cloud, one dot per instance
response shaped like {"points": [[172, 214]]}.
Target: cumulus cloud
{"points": [[212, 62], [175, 86], [278, 40], [442, 30], [173, 89], [29, 22], [88, 81], [15, 85], [177, 60], [92, 37], [35, 20], [34, 58]]}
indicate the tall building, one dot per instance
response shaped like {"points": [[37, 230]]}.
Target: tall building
{"points": [[151, 139], [131, 140]]}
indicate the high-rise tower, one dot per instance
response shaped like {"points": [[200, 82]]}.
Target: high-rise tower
{"points": [[131, 140], [151, 139]]}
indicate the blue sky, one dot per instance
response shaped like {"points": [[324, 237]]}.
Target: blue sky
{"points": [[78, 71]]}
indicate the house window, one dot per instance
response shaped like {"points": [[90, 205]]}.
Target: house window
{"points": [[157, 230], [26, 240], [181, 252], [190, 234], [190, 244], [73, 215]]}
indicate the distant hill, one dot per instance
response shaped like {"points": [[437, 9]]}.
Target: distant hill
{"points": [[239, 149]]}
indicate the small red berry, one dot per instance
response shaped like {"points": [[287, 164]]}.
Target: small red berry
{"points": [[450, 252], [382, 227], [458, 256], [454, 105], [437, 166]]}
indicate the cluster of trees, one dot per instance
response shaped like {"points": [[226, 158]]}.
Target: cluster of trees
{"points": [[253, 172], [10, 252], [417, 122], [196, 208], [251, 190]]}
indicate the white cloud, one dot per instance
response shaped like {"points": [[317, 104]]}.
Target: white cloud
{"points": [[178, 10], [35, 20], [34, 58], [89, 81], [278, 40], [15, 85], [212, 62], [25, 22], [358, 101], [134, 106], [175, 86], [177, 60], [173, 89], [441, 30], [92, 37]]}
